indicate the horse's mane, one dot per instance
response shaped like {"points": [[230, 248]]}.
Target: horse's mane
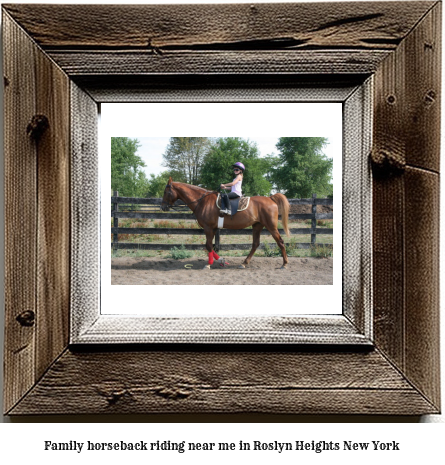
{"points": [[191, 186]]}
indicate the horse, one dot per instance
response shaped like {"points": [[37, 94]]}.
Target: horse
{"points": [[262, 212]]}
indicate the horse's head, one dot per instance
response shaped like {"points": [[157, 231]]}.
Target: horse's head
{"points": [[170, 196]]}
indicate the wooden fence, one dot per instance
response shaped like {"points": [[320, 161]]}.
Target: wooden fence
{"points": [[149, 208]]}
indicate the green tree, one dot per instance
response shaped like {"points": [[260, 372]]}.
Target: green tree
{"points": [[301, 168], [226, 151], [184, 157], [157, 184], [127, 176]]}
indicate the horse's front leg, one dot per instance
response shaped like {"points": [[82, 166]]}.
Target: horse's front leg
{"points": [[209, 232]]}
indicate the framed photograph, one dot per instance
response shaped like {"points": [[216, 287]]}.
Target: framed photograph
{"points": [[366, 344]]}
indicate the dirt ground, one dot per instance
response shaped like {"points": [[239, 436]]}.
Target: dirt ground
{"points": [[261, 271]]}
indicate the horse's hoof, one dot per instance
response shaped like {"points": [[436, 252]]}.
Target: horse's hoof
{"points": [[207, 267], [284, 267], [242, 267]]}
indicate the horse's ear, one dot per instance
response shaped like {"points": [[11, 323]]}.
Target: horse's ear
{"points": [[170, 180]]}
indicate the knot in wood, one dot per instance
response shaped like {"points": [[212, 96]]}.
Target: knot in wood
{"points": [[26, 318], [173, 393], [37, 126], [113, 394], [430, 97], [387, 162], [114, 397]]}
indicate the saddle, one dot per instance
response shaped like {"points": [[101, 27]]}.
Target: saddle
{"points": [[239, 204]]}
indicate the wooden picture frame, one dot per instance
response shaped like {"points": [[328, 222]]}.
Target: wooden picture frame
{"points": [[59, 68]]}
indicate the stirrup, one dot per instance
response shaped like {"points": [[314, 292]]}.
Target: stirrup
{"points": [[225, 212]]}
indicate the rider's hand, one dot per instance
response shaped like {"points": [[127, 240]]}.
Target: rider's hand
{"points": [[223, 186]]}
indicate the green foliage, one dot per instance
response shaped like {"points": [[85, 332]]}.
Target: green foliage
{"points": [[291, 247], [132, 253], [301, 169], [274, 251], [156, 184], [179, 253], [127, 176], [321, 251], [184, 157], [271, 251], [226, 151]]}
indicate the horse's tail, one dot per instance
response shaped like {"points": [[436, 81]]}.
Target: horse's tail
{"points": [[283, 210]]}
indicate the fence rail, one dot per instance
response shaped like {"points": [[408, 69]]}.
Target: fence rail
{"points": [[190, 216], [129, 207], [156, 201]]}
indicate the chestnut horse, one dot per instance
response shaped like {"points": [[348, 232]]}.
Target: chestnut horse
{"points": [[262, 212]]}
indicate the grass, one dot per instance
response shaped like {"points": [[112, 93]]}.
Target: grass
{"points": [[321, 251], [271, 251], [179, 253], [133, 253], [275, 252]]}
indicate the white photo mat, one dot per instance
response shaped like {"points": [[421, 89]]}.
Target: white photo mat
{"points": [[246, 120]]}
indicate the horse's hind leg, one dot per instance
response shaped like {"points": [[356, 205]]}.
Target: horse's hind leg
{"points": [[256, 233], [280, 242]]}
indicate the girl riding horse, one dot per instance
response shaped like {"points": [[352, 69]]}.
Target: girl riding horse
{"points": [[262, 212], [238, 170]]}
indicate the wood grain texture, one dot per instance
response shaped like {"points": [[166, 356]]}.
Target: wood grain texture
{"points": [[389, 144], [356, 212], [85, 207], [220, 381], [423, 92], [388, 268], [53, 228], [89, 63], [422, 323], [235, 331], [156, 27], [20, 212], [37, 187], [407, 135], [219, 88], [407, 113]]}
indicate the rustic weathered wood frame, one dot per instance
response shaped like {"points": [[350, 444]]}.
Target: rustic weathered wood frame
{"points": [[80, 55]]}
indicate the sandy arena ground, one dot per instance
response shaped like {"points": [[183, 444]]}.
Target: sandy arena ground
{"points": [[261, 271]]}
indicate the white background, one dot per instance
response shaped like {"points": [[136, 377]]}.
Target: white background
{"points": [[22, 442], [223, 120]]}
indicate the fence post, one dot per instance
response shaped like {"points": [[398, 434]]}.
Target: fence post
{"points": [[314, 221], [115, 221]]}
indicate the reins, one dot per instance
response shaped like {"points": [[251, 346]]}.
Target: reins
{"points": [[205, 195], [198, 200]]}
